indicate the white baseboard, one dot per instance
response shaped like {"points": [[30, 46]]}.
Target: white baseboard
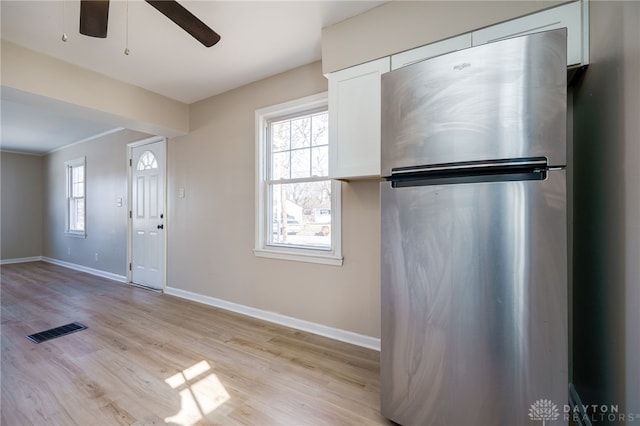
{"points": [[20, 260], [311, 327], [97, 272]]}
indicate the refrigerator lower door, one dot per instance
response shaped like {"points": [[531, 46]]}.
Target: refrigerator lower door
{"points": [[474, 303]]}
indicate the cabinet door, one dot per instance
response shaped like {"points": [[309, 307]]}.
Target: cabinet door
{"points": [[354, 120], [568, 15], [430, 50]]}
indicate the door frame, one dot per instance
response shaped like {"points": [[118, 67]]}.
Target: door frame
{"points": [[129, 264]]}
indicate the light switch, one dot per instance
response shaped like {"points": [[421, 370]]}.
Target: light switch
{"points": [[119, 202], [180, 192]]}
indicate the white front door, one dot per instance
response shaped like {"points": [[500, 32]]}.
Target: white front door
{"points": [[147, 215]]}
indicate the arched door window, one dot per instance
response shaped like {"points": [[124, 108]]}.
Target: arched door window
{"points": [[147, 161]]}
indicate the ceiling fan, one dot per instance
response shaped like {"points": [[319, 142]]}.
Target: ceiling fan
{"points": [[94, 15]]}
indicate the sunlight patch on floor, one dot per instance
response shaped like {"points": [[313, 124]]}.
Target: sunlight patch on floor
{"points": [[200, 392]]}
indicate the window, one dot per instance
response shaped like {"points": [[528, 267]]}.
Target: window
{"points": [[147, 161], [298, 206], [76, 206]]}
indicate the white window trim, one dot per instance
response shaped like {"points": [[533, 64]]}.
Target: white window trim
{"points": [[262, 249], [67, 167]]}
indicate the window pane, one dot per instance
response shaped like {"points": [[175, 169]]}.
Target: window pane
{"points": [[280, 135], [77, 181], [78, 173], [76, 214], [300, 163], [301, 132], [280, 166], [78, 189], [80, 214], [147, 161], [320, 127], [320, 161], [73, 214], [300, 214]]}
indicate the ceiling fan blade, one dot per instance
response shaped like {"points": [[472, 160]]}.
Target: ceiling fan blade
{"points": [[186, 20], [94, 16]]}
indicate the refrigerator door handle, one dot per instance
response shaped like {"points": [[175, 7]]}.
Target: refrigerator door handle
{"points": [[475, 167]]}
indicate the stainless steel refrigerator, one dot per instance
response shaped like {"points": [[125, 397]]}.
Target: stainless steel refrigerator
{"points": [[474, 236]]}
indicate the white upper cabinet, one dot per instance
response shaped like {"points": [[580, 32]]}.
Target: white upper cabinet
{"points": [[354, 120], [430, 50], [570, 15]]}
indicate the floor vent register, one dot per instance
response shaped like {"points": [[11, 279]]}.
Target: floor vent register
{"points": [[52, 333]]}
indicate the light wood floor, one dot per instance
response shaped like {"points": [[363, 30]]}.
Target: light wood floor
{"points": [[148, 358]]}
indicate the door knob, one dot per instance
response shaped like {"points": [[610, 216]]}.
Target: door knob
{"points": [[160, 226]]}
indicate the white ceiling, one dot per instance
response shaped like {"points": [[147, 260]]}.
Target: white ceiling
{"points": [[259, 39]]}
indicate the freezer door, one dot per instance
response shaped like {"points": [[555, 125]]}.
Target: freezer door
{"points": [[474, 302], [497, 101]]}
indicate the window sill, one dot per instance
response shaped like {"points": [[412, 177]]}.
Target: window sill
{"points": [[76, 234], [324, 259]]}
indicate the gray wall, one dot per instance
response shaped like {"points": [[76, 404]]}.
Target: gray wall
{"points": [[606, 301], [211, 231], [21, 208], [106, 226]]}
